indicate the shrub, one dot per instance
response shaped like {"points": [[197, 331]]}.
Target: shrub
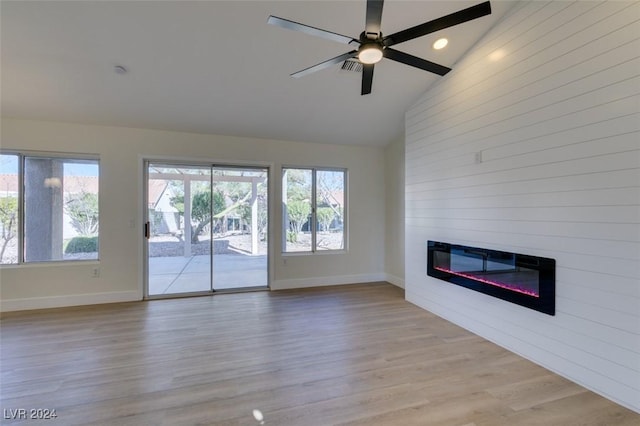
{"points": [[82, 245], [298, 212], [292, 237], [325, 216], [82, 209]]}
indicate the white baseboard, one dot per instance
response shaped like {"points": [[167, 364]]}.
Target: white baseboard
{"points": [[326, 281], [130, 296], [397, 281], [71, 300]]}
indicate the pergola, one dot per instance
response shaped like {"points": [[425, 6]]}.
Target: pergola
{"points": [[186, 179]]}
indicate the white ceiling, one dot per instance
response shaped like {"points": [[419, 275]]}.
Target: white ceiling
{"points": [[217, 67]]}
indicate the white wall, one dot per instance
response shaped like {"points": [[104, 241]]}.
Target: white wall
{"points": [[121, 151], [394, 212], [549, 98]]}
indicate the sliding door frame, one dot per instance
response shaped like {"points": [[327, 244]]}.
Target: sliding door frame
{"points": [[145, 161]]}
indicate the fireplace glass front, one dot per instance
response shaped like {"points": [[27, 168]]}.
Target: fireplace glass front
{"points": [[526, 280]]}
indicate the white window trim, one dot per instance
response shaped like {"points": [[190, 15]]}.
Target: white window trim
{"points": [[22, 155], [345, 239]]}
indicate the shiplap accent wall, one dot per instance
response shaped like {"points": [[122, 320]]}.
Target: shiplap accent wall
{"points": [[532, 145]]}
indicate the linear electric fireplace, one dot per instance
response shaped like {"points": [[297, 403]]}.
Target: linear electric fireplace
{"points": [[525, 280]]}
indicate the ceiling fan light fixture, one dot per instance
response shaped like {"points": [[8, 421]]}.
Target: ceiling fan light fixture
{"points": [[370, 54]]}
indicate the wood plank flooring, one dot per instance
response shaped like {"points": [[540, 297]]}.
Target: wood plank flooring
{"points": [[344, 355]]}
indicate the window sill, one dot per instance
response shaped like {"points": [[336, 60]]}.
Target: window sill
{"points": [[44, 264], [312, 253]]}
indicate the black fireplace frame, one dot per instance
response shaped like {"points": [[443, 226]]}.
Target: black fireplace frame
{"points": [[544, 302]]}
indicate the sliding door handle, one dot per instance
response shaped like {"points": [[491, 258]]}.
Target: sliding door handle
{"points": [[147, 230]]}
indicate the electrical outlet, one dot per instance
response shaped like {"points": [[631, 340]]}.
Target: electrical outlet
{"points": [[95, 272]]}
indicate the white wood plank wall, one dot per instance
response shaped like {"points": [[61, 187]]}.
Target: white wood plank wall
{"points": [[532, 144]]}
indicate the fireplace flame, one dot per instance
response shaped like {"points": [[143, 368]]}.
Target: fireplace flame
{"points": [[493, 283]]}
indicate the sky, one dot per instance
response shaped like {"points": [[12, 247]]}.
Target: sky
{"points": [[9, 165]]}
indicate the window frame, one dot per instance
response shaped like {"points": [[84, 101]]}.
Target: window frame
{"points": [[313, 216], [22, 156]]}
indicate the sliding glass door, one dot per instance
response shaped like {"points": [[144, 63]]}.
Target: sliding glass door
{"points": [[240, 227], [206, 229]]}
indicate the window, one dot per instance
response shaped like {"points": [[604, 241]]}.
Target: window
{"points": [[314, 209], [9, 215], [48, 208]]}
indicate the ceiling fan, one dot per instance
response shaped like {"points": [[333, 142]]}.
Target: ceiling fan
{"points": [[371, 46]]}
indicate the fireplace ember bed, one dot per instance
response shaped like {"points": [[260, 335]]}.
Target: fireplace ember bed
{"points": [[518, 278]]}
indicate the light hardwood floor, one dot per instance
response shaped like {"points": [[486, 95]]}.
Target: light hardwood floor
{"points": [[355, 354]]}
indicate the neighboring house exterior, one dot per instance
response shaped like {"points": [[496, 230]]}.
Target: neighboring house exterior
{"points": [[165, 217]]}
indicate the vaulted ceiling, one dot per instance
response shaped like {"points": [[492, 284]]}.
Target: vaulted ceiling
{"points": [[217, 67]]}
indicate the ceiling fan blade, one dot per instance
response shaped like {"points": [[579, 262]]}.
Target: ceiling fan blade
{"points": [[374, 18], [367, 78], [325, 64], [414, 61], [296, 26], [455, 18]]}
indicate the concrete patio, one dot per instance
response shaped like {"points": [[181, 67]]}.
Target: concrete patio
{"points": [[179, 274]]}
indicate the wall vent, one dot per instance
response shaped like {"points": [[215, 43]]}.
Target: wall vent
{"points": [[352, 66]]}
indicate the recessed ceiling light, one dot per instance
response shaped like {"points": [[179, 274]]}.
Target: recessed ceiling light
{"points": [[119, 69], [496, 55], [440, 43]]}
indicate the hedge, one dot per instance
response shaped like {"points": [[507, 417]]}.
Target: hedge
{"points": [[82, 245]]}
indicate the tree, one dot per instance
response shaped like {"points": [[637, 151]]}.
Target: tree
{"points": [[82, 209], [329, 184], [325, 216], [298, 212], [263, 214], [8, 219], [200, 209], [246, 210], [298, 184], [199, 212]]}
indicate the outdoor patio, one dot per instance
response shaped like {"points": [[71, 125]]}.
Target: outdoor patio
{"points": [[179, 274]]}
